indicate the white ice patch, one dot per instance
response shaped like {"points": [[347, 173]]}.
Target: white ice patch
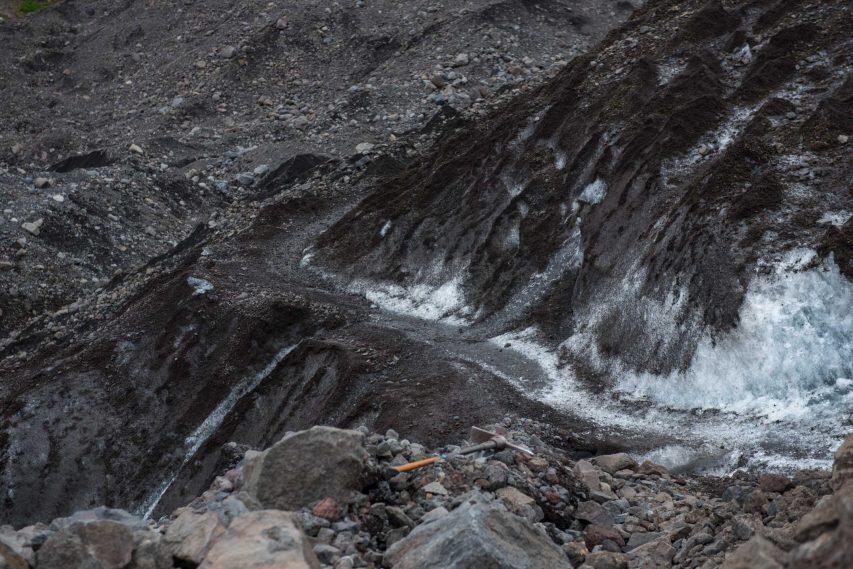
{"points": [[560, 161], [385, 228], [669, 70], [594, 192], [789, 357], [836, 218], [706, 459], [445, 302], [200, 286], [210, 424]]}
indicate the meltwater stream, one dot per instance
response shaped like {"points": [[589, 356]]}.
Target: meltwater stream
{"points": [[775, 393], [209, 426]]}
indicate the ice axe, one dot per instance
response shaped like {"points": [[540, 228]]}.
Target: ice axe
{"points": [[485, 440]]}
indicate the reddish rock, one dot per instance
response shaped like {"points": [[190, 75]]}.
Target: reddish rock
{"points": [[552, 497], [650, 468], [775, 483], [328, 509]]}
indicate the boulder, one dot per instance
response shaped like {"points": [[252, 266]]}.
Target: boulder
{"points": [[655, 554], [63, 550], [593, 513], [595, 535], [757, 553], [479, 533], [611, 463], [774, 483], [305, 467], [16, 545], [641, 538], [191, 534], [831, 548], [842, 469], [520, 503], [11, 560], [101, 545], [265, 538], [587, 474], [650, 468], [606, 560]]}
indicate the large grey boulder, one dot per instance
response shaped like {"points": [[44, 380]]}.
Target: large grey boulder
{"points": [[479, 533], [305, 467]]}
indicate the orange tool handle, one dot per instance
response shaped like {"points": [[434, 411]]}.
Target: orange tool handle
{"points": [[417, 464]]}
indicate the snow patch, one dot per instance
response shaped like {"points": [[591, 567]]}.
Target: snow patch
{"points": [[385, 228]]}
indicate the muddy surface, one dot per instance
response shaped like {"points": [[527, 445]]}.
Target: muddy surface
{"points": [[619, 212]]}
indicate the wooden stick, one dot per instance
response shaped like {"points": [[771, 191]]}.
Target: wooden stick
{"points": [[417, 464]]}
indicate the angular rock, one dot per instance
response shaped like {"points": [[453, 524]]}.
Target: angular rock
{"points": [[587, 474], [611, 463], [435, 488], [14, 544], [757, 553], [606, 560], [638, 539], [479, 533], [595, 535], [650, 468], [61, 551], [305, 467], [328, 509], [11, 560], [33, 227], [191, 534], [842, 469], [109, 543], [774, 483], [656, 554], [265, 538], [593, 513]]}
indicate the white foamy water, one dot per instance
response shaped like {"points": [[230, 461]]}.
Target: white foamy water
{"points": [[776, 392], [209, 426], [791, 352]]}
